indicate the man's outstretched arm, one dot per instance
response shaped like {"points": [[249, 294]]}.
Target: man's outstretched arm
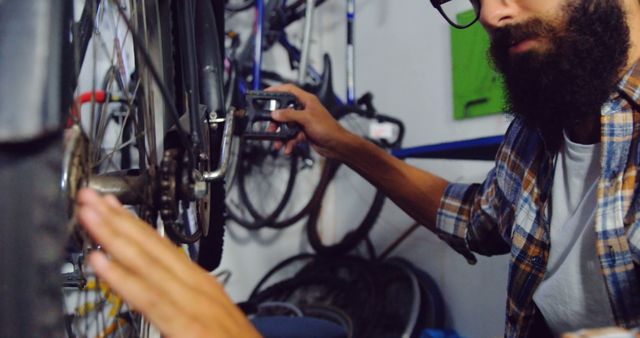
{"points": [[417, 192], [154, 276]]}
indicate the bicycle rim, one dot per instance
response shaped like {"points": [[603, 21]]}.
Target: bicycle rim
{"points": [[114, 148]]}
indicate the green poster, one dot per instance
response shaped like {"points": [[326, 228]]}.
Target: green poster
{"points": [[477, 88]]}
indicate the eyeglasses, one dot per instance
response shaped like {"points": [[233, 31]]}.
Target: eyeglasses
{"points": [[451, 11]]}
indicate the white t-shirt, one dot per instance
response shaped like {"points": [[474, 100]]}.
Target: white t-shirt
{"points": [[573, 294]]}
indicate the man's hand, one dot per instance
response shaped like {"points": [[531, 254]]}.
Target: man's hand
{"points": [[154, 276], [323, 132]]}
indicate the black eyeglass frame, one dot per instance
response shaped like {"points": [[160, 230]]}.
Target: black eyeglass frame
{"points": [[437, 4]]}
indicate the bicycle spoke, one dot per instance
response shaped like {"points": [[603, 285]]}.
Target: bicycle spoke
{"points": [[119, 146], [97, 312], [101, 309], [132, 320], [109, 156], [119, 68]]}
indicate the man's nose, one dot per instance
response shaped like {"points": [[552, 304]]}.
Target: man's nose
{"points": [[497, 13]]}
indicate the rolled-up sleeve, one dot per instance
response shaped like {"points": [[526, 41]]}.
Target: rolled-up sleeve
{"points": [[471, 218], [452, 221], [478, 218]]}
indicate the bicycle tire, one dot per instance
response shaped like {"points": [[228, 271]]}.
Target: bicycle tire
{"points": [[433, 312], [30, 203], [212, 95], [349, 284], [353, 238], [239, 7], [311, 209], [283, 264], [326, 176], [259, 220], [197, 74], [31, 234]]}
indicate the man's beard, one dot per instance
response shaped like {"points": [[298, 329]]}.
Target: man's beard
{"points": [[569, 81]]}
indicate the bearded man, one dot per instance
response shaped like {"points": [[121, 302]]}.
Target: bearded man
{"points": [[563, 198]]}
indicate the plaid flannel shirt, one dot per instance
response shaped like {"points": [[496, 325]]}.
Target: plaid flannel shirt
{"points": [[507, 212]]}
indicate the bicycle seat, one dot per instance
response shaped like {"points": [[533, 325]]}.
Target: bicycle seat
{"points": [[324, 89]]}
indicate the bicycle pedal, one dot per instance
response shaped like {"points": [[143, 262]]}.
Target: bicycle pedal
{"points": [[260, 104]]}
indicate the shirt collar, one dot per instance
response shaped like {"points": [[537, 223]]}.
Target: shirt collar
{"points": [[629, 85]]}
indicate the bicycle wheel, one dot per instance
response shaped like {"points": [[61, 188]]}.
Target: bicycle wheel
{"points": [[166, 146], [114, 143], [358, 121], [261, 197], [171, 162]]}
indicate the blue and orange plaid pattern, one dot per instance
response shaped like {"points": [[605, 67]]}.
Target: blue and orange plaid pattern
{"points": [[507, 213]]}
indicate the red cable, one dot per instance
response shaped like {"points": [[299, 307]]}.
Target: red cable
{"points": [[99, 96]]}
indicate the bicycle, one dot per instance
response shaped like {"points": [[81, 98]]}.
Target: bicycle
{"points": [[270, 177], [162, 105]]}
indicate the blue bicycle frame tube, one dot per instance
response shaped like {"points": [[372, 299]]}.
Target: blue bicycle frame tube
{"points": [[351, 64], [296, 54]]}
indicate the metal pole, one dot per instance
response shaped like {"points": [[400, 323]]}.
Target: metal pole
{"points": [[306, 42], [257, 51]]}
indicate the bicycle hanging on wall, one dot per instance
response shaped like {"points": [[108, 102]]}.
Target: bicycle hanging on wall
{"points": [[266, 183]]}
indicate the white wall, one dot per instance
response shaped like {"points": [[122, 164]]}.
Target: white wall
{"points": [[403, 58]]}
